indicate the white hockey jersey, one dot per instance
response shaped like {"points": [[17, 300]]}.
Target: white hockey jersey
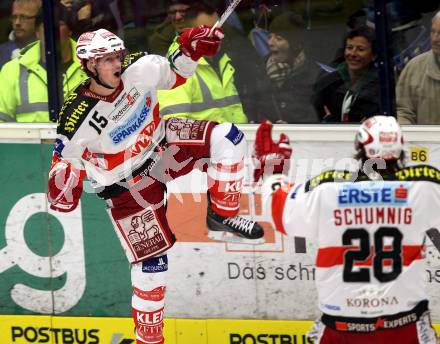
{"points": [[112, 136], [370, 237]]}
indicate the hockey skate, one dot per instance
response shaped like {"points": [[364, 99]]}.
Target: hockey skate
{"points": [[234, 229]]}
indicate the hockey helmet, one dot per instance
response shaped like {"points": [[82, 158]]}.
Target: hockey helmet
{"points": [[380, 137], [96, 44]]}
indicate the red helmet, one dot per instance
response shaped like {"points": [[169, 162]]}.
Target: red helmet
{"points": [[380, 137], [96, 44]]}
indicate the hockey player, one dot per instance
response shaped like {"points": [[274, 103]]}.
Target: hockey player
{"points": [[370, 231], [110, 130]]}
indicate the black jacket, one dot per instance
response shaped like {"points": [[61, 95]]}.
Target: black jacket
{"points": [[331, 89], [292, 99]]}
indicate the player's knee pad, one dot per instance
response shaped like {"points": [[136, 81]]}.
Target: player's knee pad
{"points": [[228, 144], [143, 233], [149, 283], [225, 174]]}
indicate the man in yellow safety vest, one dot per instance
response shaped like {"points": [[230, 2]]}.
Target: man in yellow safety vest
{"points": [[24, 95], [221, 90]]}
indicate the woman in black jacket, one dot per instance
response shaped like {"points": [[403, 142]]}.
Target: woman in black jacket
{"points": [[351, 93], [290, 71]]}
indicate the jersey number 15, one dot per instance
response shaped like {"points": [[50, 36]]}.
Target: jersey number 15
{"points": [[98, 122]]}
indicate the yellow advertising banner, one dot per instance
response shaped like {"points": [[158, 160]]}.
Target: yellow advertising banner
{"points": [[104, 330]]}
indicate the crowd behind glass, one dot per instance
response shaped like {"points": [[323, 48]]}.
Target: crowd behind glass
{"points": [[289, 61]]}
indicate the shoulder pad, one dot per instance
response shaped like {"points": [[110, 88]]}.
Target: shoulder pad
{"points": [[132, 58], [74, 111], [332, 176], [419, 173]]}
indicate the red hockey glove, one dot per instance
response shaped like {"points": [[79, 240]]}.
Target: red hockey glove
{"points": [[272, 157], [199, 41], [65, 186]]}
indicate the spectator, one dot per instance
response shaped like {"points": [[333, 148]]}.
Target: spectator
{"points": [[351, 93], [259, 34], [290, 71], [24, 89], [141, 13], [163, 36], [418, 88], [23, 28], [409, 37], [227, 87], [88, 15]]}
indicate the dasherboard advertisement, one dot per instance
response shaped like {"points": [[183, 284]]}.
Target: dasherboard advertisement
{"points": [[72, 264]]}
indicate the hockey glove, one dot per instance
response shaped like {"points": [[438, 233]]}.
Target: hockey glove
{"points": [[200, 41], [272, 157], [65, 186], [274, 194]]}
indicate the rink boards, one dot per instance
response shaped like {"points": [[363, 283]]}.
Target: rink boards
{"points": [[44, 329], [72, 265], [63, 330]]}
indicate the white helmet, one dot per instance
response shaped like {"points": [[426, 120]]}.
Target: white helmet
{"points": [[380, 137], [96, 44]]}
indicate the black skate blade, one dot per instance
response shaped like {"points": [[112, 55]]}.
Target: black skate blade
{"points": [[223, 236]]}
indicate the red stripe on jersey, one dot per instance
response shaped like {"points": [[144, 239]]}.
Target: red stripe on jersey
{"points": [[333, 256], [157, 294], [411, 253], [180, 80], [108, 161], [156, 116], [134, 180], [229, 168], [278, 201]]}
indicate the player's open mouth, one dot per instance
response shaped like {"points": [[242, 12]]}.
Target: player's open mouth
{"points": [[117, 74]]}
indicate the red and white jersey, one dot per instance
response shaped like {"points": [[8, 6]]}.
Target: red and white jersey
{"points": [[370, 236], [111, 136]]}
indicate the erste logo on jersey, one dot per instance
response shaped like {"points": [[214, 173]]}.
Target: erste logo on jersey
{"points": [[124, 104], [360, 195], [133, 123]]}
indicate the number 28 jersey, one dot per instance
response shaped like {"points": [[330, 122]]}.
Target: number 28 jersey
{"points": [[370, 237]]}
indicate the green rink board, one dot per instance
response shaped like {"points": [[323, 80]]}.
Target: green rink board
{"points": [[24, 172]]}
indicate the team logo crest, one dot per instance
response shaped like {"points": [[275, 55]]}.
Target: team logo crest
{"points": [[145, 237]]}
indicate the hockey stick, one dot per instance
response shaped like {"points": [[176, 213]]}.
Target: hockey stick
{"points": [[434, 235], [231, 7]]}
